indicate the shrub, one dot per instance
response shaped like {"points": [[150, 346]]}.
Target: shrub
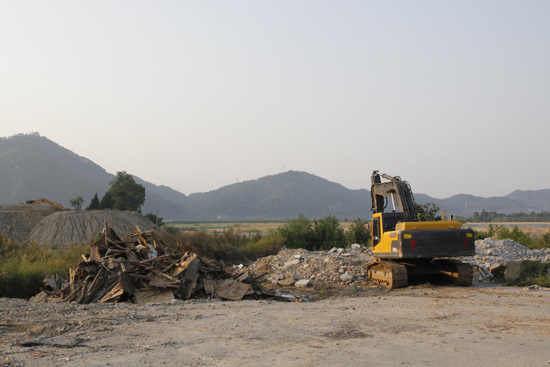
{"points": [[24, 265], [533, 273], [358, 233], [298, 233], [327, 234], [229, 245]]}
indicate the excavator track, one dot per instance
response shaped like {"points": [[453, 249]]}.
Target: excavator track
{"points": [[394, 274], [460, 273], [390, 274]]}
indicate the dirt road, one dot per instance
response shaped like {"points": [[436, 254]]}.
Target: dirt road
{"points": [[416, 326]]}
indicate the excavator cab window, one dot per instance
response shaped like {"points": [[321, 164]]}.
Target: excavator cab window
{"points": [[375, 231], [390, 220]]}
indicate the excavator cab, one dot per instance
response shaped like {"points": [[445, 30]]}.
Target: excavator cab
{"points": [[384, 222]]}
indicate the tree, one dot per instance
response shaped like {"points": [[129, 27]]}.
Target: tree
{"points": [[158, 221], [298, 233], [358, 232], [107, 201], [426, 212], [94, 203], [77, 202], [327, 233], [125, 193]]}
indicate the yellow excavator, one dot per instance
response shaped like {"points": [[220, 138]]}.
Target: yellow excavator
{"points": [[45, 201], [405, 247]]}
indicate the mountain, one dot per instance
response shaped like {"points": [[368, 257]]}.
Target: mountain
{"points": [[284, 196], [33, 167], [466, 205]]}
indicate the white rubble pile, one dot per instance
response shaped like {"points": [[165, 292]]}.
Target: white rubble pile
{"points": [[339, 266], [301, 268], [490, 253]]}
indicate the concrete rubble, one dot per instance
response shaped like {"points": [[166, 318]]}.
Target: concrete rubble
{"points": [[493, 255], [341, 267], [303, 268]]}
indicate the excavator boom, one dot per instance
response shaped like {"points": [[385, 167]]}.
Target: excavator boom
{"points": [[397, 190], [45, 201]]}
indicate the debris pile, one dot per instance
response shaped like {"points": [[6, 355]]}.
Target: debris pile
{"points": [[493, 254], [342, 267], [143, 270], [337, 267]]}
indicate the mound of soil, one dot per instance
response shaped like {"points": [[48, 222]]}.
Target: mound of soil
{"points": [[17, 221], [62, 229]]}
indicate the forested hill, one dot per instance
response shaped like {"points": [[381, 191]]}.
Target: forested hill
{"points": [[283, 195], [33, 167]]}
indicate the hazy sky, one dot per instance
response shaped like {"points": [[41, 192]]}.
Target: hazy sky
{"points": [[453, 96]]}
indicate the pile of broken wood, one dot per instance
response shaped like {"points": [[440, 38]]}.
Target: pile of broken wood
{"points": [[144, 270]]}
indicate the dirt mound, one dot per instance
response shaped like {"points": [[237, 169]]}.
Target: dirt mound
{"points": [[62, 229], [17, 221]]}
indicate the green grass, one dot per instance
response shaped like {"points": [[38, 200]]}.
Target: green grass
{"points": [[230, 245], [533, 273], [24, 265]]}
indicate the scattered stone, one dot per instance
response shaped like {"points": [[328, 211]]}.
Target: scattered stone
{"points": [[346, 277], [286, 282], [303, 283], [493, 255]]}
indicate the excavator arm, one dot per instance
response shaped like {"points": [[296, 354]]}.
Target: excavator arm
{"points": [[397, 190], [45, 201]]}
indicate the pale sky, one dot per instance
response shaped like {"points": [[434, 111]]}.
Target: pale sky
{"points": [[453, 96]]}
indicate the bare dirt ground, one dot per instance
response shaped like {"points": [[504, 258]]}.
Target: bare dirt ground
{"points": [[416, 326]]}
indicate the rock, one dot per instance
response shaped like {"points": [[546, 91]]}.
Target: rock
{"points": [[346, 277], [287, 282], [303, 283], [292, 263], [513, 269]]}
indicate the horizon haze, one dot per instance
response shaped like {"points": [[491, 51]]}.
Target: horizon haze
{"points": [[450, 96]]}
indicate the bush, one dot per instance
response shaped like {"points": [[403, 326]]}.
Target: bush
{"points": [[229, 245], [358, 233], [24, 265], [533, 273], [298, 233], [323, 234], [327, 234]]}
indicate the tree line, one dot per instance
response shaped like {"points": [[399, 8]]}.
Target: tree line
{"points": [[486, 217]]}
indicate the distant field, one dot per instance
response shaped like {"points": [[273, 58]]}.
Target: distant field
{"points": [[535, 229], [249, 228]]}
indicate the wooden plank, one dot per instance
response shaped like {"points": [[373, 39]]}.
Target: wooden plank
{"points": [[153, 296], [114, 293], [232, 290]]}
